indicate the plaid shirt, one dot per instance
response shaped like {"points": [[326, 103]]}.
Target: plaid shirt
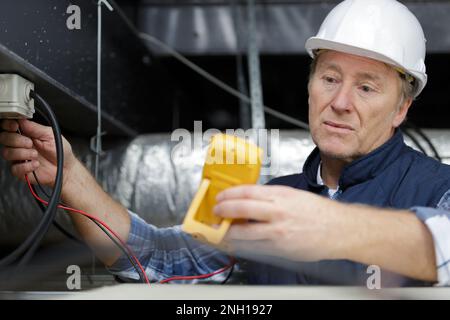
{"points": [[438, 222], [168, 252]]}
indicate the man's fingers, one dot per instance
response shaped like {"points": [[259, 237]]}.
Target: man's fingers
{"points": [[19, 154], [246, 209], [255, 192], [34, 130], [10, 125], [15, 140], [21, 169]]}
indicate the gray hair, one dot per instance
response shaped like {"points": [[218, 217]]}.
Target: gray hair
{"points": [[409, 88]]}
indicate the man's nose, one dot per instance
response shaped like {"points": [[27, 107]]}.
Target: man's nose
{"points": [[342, 101]]}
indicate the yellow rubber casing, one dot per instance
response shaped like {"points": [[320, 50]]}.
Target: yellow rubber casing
{"points": [[230, 161]]}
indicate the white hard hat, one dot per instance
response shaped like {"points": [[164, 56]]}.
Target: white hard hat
{"points": [[383, 30]]}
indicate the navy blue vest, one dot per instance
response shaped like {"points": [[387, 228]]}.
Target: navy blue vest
{"points": [[392, 176]]}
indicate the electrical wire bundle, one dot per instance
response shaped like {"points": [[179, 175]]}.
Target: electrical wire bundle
{"points": [[121, 245], [26, 250], [409, 127], [124, 248], [115, 238]]}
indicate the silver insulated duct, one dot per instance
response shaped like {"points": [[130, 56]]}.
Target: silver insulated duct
{"points": [[151, 177]]}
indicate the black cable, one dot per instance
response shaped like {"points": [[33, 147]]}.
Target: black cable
{"points": [[56, 192], [427, 140], [69, 235], [59, 227], [119, 245], [42, 207], [43, 115], [415, 141], [33, 240], [229, 275]]}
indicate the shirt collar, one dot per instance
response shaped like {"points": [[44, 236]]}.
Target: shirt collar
{"points": [[319, 175], [360, 170], [320, 182]]}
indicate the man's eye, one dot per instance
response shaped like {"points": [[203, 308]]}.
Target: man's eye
{"points": [[329, 79], [366, 89]]}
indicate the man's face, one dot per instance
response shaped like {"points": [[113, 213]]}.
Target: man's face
{"points": [[353, 105]]}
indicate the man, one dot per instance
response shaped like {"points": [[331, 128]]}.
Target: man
{"points": [[368, 66]]}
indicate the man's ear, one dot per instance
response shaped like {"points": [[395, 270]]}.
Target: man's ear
{"points": [[401, 113]]}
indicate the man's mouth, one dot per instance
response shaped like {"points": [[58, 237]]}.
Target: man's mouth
{"points": [[338, 126]]}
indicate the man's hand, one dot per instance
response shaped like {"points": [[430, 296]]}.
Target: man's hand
{"points": [[301, 226], [286, 222], [33, 150]]}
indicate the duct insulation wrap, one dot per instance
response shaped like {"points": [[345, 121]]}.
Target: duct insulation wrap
{"points": [[151, 176]]}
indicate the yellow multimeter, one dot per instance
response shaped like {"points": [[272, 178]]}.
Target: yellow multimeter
{"points": [[230, 161]]}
